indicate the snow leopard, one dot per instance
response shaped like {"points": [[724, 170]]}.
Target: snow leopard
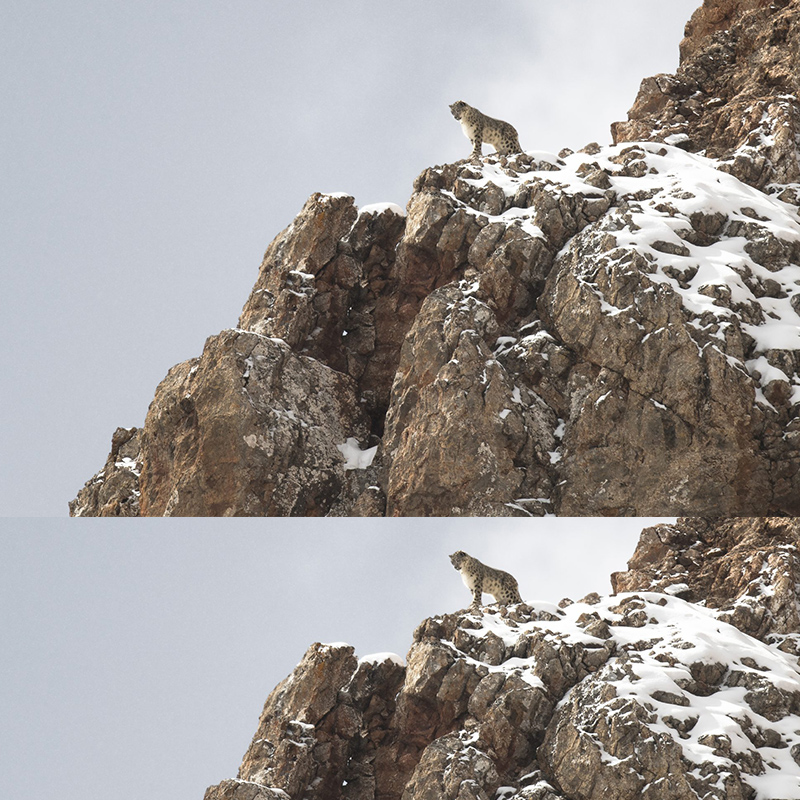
{"points": [[479, 128], [479, 578]]}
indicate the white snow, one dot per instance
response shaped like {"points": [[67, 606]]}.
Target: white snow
{"points": [[380, 658], [512, 216], [766, 370], [303, 276], [601, 398], [689, 183], [673, 635], [354, 456], [658, 207], [519, 505], [129, 464], [521, 667], [504, 344], [677, 138], [379, 208]]}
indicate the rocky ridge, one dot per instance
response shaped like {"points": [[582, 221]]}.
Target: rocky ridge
{"points": [[609, 332], [641, 694], [747, 569], [734, 95]]}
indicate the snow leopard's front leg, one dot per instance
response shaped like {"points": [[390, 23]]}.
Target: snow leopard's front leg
{"points": [[477, 141], [477, 592]]}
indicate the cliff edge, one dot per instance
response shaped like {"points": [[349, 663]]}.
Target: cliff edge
{"points": [[609, 332]]}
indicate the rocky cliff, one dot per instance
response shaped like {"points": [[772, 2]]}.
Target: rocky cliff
{"points": [[683, 685], [609, 332]]}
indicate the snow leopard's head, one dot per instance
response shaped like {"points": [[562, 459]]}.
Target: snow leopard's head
{"points": [[458, 108], [458, 558]]}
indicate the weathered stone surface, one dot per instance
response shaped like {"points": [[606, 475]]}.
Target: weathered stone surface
{"points": [[637, 727], [249, 428], [734, 96], [282, 302], [433, 464], [328, 286], [326, 729], [599, 745], [242, 790], [297, 727], [114, 491], [452, 768]]}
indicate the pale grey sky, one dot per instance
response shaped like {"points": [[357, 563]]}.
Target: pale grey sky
{"points": [[137, 654], [151, 151]]}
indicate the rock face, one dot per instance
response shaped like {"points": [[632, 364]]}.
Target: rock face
{"points": [[734, 96], [609, 332], [645, 694], [748, 569], [114, 491]]}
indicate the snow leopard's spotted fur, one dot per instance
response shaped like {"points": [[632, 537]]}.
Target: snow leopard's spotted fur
{"points": [[479, 128], [479, 578]]}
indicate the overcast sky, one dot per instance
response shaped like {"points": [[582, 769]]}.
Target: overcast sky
{"points": [[137, 654], [152, 149]]}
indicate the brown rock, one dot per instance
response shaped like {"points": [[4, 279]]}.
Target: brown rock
{"points": [[242, 790], [734, 96], [250, 428], [323, 287], [748, 568], [114, 491], [285, 752], [450, 383], [598, 745], [451, 768]]}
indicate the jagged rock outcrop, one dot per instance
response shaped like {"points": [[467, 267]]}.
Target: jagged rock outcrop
{"points": [[735, 94], [644, 694], [114, 491], [242, 790], [748, 569], [609, 332], [249, 428]]}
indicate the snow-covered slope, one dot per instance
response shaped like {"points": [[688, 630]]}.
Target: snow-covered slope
{"points": [[730, 252], [685, 699]]}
